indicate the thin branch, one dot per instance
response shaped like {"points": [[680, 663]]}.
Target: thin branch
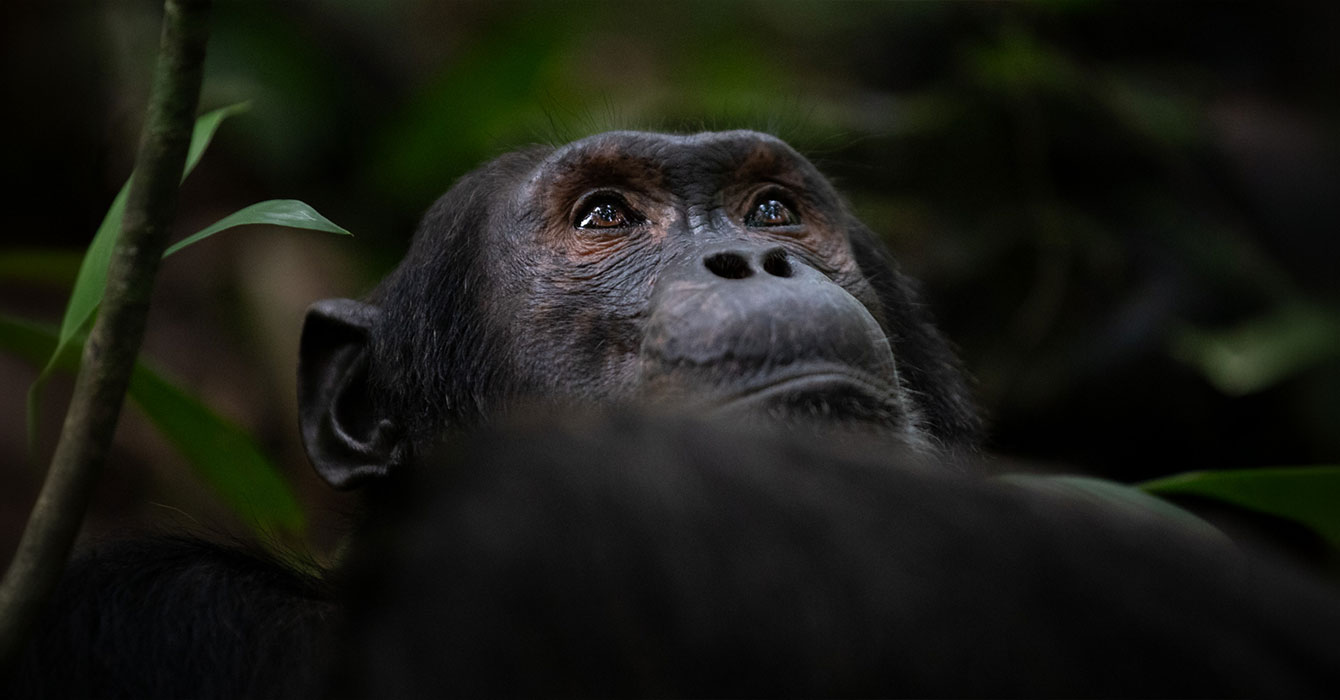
{"points": [[109, 354]]}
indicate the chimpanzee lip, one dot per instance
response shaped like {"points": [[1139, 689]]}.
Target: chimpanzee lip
{"points": [[812, 381]]}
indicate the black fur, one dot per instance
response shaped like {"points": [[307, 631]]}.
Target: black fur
{"points": [[176, 617], [433, 355], [491, 306], [604, 554], [933, 369], [623, 556]]}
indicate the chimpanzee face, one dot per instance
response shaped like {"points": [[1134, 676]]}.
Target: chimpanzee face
{"points": [[714, 272], [710, 269]]}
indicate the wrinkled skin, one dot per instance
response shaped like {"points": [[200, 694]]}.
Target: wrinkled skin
{"points": [[717, 271], [690, 296]]}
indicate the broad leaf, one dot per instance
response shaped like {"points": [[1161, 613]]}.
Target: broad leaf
{"points": [[1261, 353], [276, 212], [221, 452], [203, 133], [1113, 494], [1307, 495], [34, 342]]}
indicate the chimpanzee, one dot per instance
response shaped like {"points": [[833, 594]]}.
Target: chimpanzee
{"points": [[719, 271], [812, 528], [615, 555]]}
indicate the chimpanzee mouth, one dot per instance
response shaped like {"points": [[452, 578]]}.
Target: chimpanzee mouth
{"points": [[825, 381], [823, 395], [810, 392]]}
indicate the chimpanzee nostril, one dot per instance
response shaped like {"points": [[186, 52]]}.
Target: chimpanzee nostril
{"points": [[731, 266], [776, 264]]}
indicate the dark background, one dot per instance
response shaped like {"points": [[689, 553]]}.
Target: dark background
{"points": [[1124, 214]]}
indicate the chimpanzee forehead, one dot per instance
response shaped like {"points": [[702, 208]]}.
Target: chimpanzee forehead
{"points": [[672, 159]]}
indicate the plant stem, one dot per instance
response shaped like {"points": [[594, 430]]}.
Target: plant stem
{"points": [[109, 355]]}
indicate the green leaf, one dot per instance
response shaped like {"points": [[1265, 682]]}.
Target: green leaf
{"points": [[223, 454], [1307, 495], [55, 267], [92, 277], [84, 298], [33, 342], [276, 212], [1263, 352], [203, 132], [1113, 494]]}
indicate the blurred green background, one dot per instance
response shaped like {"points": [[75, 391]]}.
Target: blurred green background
{"points": [[1126, 215]]}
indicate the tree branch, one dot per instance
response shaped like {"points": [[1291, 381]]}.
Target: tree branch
{"points": [[109, 355]]}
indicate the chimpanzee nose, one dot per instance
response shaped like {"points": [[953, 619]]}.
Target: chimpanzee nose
{"points": [[740, 264], [738, 312]]}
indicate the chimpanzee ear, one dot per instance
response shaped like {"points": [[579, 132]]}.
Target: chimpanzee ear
{"points": [[346, 440]]}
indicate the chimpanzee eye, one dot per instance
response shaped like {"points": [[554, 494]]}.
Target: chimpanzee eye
{"points": [[771, 212], [606, 213]]}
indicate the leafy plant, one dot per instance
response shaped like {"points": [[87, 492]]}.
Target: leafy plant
{"points": [[1306, 495], [224, 455]]}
